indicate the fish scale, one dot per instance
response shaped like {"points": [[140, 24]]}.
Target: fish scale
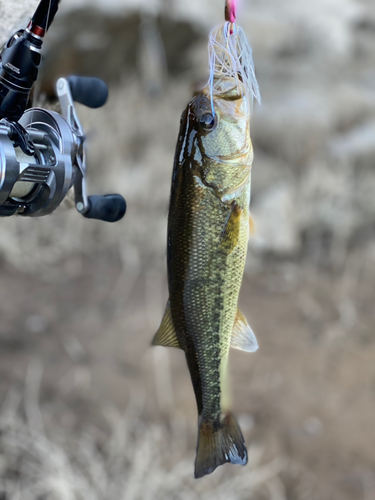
{"points": [[205, 267], [208, 231]]}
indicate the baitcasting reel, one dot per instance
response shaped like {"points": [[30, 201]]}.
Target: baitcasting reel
{"points": [[42, 154]]}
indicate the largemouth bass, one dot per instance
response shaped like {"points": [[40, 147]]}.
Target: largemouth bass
{"points": [[208, 232]]}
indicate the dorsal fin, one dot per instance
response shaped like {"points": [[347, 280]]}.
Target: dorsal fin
{"points": [[243, 337], [166, 334]]}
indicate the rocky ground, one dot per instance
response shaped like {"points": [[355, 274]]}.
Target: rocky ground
{"points": [[83, 299]]}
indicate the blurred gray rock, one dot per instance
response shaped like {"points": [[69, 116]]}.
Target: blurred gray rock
{"points": [[356, 145], [276, 221], [110, 46], [293, 127], [14, 14]]}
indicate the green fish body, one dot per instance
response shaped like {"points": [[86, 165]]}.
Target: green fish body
{"points": [[208, 232]]}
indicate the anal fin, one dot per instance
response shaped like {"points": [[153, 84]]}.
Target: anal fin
{"points": [[243, 337], [166, 335]]}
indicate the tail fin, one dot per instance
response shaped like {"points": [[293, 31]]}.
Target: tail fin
{"points": [[216, 446]]}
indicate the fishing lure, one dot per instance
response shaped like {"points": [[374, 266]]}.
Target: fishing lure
{"points": [[230, 56]]}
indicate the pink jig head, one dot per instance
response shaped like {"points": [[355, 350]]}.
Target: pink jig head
{"points": [[230, 12], [230, 57]]}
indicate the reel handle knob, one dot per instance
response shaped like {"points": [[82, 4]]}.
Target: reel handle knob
{"points": [[87, 90], [108, 208]]}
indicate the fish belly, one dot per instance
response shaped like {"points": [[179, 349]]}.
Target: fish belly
{"points": [[204, 283]]}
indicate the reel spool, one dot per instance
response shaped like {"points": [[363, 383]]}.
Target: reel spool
{"points": [[43, 156]]}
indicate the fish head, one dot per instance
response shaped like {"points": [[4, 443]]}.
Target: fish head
{"points": [[223, 145]]}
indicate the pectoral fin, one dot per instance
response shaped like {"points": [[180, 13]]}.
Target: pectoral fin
{"points": [[251, 226], [243, 337], [166, 335], [231, 231]]}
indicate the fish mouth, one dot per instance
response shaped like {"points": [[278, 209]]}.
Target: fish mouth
{"points": [[228, 89], [229, 95]]}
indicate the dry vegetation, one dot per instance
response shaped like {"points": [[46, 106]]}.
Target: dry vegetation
{"points": [[83, 299], [135, 460]]}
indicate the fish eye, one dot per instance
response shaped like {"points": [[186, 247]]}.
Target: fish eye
{"points": [[208, 121]]}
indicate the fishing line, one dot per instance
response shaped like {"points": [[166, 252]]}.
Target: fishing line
{"points": [[48, 12]]}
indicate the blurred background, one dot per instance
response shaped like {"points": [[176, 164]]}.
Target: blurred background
{"points": [[88, 409]]}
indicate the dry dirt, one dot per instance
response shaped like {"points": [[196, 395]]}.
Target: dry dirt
{"points": [[307, 395]]}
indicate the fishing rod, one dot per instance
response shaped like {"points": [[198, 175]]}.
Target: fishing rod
{"points": [[20, 61], [42, 153]]}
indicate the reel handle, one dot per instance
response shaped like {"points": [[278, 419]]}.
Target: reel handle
{"points": [[108, 208], [90, 91]]}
